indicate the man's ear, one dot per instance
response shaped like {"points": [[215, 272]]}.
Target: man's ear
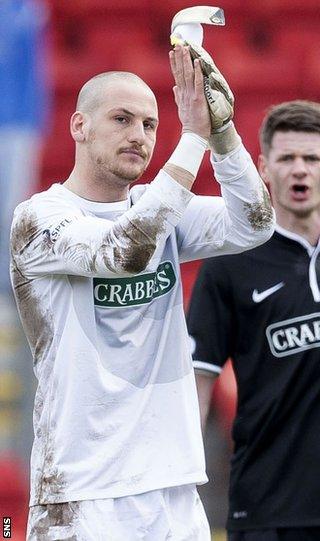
{"points": [[77, 127], [263, 169]]}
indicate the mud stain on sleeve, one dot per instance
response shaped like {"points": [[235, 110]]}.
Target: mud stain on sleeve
{"points": [[24, 231], [128, 246], [48, 478], [80, 254], [51, 480], [133, 249], [119, 251], [135, 241], [260, 213], [64, 516], [35, 314], [34, 311]]}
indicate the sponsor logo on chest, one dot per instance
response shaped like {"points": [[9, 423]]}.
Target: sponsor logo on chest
{"points": [[134, 290], [294, 335]]}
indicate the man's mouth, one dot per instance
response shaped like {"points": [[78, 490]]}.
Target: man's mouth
{"points": [[133, 152], [300, 192]]}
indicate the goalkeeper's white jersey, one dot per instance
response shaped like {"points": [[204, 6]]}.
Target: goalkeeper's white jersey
{"points": [[99, 294]]}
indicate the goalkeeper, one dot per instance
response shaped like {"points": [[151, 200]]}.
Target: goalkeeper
{"points": [[118, 451]]}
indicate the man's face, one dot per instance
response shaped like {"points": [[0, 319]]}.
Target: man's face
{"points": [[121, 132], [292, 172]]}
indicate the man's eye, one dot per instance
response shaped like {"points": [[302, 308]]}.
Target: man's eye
{"points": [[149, 125], [121, 119], [312, 159], [285, 158]]}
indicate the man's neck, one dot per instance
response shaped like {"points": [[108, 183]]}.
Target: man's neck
{"points": [[96, 190], [307, 227]]}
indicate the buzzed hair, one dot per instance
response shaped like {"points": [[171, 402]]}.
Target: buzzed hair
{"points": [[90, 95], [297, 115]]}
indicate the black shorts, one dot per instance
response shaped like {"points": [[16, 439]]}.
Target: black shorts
{"points": [[278, 534]]}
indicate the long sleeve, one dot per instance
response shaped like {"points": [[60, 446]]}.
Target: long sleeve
{"points": [[52, 235], [239, 220]]}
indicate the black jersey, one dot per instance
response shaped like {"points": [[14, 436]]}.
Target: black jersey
{"points": [[262, 309]]}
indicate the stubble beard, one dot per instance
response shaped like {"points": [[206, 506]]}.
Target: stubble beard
{"points": [[115, 172], [106, 170], [302, 212], [121, 174], [126, 174]]}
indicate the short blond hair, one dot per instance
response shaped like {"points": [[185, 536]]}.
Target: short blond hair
{"points": [[90, 96]]}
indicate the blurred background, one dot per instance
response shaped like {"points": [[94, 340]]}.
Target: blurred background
{"points": [[269, 52]]}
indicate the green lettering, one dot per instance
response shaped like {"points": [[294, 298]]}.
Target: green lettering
{"points": [[97, 291], [134, 290], [115, 293], [128, 293]]}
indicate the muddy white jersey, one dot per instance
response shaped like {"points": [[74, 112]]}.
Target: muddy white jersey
{"points": [[99, 294]]}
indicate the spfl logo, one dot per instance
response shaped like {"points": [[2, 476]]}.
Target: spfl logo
{"points": [[51, 235], [294, 335]]}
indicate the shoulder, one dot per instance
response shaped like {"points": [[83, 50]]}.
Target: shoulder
{"points": [[43, 210], [51, 201]]}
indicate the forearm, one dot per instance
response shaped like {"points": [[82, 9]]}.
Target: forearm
{"points": [[53, 236], [162, 205], [205, 384], [246, 198], [96, 247]]}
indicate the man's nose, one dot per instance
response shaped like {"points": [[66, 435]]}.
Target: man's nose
{"points": [[299, 168], [136, 133]]}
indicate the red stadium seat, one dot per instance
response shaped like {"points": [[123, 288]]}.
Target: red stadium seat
{"points": [[70, 72], [249, 113], [58, 148], [311, 74], [284, 7], [251, 73], [169, 8], [92, 8], [105, 39], [300, 42]]}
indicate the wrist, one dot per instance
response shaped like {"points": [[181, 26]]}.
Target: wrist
{"points": [[204, 136], [189, 152], [224, 140]]}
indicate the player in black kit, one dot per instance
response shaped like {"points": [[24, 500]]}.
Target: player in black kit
{"points": [[262, 309]]}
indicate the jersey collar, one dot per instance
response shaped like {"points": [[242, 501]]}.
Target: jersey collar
{"points": [[297, 238], [93, 206]]}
